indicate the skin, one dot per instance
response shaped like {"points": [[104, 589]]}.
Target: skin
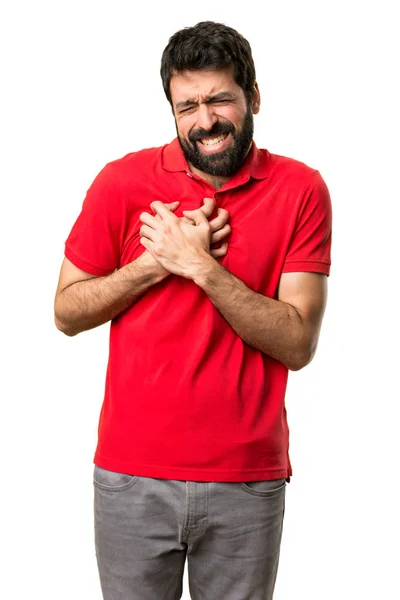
{"points": [[286, 329], [200, 99], [83, 301]]}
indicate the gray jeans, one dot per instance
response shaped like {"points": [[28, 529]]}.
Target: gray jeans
{"points": [[145, 527]]}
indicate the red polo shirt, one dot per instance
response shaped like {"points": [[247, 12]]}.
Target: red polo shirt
{"points": [[186, 398]]}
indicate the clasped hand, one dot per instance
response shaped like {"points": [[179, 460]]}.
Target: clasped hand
{"points": [[182, 245]]}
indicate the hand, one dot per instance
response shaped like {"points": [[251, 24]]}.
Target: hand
{"points": [[219, 225], [180, 245], [147, 260]]}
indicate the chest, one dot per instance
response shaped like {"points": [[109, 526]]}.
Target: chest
{"points": [[262, 220]]}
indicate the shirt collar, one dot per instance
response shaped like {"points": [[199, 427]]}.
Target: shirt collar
{"points": [[256, 164]]}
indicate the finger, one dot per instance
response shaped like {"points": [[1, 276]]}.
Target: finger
{"points": [[146, 243], [148, 219], [147, 232], [172, 207], [208, 206], [198, 218], [220, 220], [189, 215], [160, 208], [219, 252], [219, 235], [186, 220]]}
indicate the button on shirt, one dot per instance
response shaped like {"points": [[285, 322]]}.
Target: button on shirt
{"points": [[186, 398]]}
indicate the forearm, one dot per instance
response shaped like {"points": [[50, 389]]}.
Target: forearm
{"points": [[87, 304], [273, 327]]}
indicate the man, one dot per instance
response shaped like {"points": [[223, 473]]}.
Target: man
{"points": [[192, 457]]}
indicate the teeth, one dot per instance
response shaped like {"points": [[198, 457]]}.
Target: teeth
{"points": [[213, 141]]}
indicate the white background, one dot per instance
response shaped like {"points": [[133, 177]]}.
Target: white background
{"points": [[80, 87]]}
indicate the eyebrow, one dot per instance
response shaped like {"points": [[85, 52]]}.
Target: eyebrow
{"points": [[219, 96]]}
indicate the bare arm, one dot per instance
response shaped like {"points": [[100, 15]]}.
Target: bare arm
{"points": [[83, 301], [286, 329]]}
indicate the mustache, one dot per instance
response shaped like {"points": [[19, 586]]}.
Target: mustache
{"points": [[217, 129]]}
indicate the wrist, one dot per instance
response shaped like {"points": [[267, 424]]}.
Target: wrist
{"points": [[149, 267], [205, 271]]}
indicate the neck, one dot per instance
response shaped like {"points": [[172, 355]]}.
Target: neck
{"points": [[215, 180]]}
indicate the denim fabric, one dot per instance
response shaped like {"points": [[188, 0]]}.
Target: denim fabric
{"points": [[145, 528]]}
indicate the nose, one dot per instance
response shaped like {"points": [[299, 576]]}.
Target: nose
{"points": [[206, 117]]}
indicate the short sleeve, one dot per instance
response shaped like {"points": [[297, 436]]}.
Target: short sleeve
{"points": [[310, 245], [95, 241]]}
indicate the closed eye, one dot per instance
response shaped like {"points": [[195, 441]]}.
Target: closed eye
{"points": [[211, 101]]}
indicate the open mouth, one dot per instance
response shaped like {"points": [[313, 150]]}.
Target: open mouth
{"points": [[214, 144]]}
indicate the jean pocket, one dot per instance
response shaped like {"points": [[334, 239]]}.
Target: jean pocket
{"points": [[267, 488], [113, 481]]}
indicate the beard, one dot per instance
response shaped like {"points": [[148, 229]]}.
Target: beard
{"points": [[226, 162]]}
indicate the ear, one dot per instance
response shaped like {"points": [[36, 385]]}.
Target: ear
{"points": [[256, 99]]}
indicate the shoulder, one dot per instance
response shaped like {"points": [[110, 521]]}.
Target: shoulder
{"points": [[117, 177], [291, 168], [134, 164], [298, 184], [295, 176]]}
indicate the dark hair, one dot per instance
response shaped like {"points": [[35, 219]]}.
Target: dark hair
{"points": [[208, 45]]}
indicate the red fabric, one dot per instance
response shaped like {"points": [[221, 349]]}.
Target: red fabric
{"points": [[185, 397]]}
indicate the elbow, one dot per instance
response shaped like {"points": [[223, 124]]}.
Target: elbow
{"points": [[301, 359], [67, 328], [297, 365], [64, 328]]}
